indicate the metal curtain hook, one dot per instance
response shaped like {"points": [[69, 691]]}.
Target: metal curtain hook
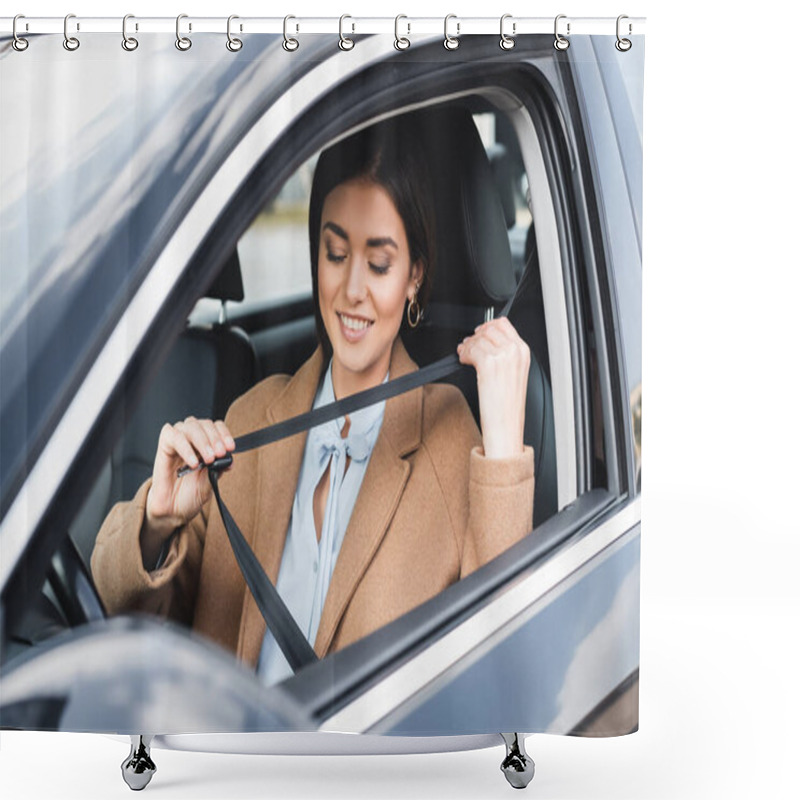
{"points": [[451, 42], [233, 44], [507, 42], [561, 43], [623, 45], [182, 42], [289, 44], [344, 42], [128, 42], [71, 43], [401, 43], [19, 44]]}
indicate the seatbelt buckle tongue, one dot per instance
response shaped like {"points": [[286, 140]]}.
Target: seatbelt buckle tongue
{"points": [[218, 465]]}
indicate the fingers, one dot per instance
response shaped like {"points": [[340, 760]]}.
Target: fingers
{"points": [[197, 433], [225, 434], [173, 441], [193, 438], [494, 338], [499, 331]]}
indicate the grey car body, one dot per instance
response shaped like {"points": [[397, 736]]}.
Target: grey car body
{"points": [[163, 180]]}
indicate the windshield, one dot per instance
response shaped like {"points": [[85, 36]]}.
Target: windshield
{"points": [[85, 194]]}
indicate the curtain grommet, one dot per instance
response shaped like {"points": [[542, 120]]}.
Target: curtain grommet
{"points": [[623, 45], [183, 43], [401, 42], [233, 44], [451, 42], [71, 43], [507, 42], [561, 43], [18, 43], [129, 43], [345, 43], [290, 44]]}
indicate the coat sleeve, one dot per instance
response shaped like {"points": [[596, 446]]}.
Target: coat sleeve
{"points": [[489, 501], [123, 582], [500, 506]]}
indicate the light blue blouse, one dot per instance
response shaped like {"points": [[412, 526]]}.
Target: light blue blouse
{"points": [[306, 565]]}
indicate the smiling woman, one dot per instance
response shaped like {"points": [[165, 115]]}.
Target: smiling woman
{"points": [[343, 537]]}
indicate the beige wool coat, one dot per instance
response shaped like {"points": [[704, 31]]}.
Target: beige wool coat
{"points": [[431, 509]]}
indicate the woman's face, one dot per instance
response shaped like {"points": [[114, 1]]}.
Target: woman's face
{"points": [[364, 278]]}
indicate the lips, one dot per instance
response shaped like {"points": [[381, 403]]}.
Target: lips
{"points": [[353, 328]]}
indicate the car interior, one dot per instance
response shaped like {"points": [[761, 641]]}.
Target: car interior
{"points": [[488, 255]]}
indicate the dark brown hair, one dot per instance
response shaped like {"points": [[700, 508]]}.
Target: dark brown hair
{"points": [[390, 155]]}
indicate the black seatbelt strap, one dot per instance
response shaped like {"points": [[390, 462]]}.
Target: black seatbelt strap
{"points": [[281, 623], [288, 635], [347, 405]]}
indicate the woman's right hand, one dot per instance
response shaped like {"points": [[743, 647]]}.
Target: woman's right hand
{"points": [[173, 501]]}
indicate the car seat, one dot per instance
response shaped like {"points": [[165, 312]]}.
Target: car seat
{"points": [[475, 277]]}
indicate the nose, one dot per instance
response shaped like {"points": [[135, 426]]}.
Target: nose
{"points": [[356, 281]]}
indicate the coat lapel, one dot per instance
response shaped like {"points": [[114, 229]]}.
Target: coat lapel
{"points": [[380, 493], [278, 472]]}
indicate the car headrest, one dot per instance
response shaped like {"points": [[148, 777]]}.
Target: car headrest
{"points": [[474, 265], [503, 175], [228, 283]]}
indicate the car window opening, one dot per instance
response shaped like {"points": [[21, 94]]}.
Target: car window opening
{"points": [[256, 320]]}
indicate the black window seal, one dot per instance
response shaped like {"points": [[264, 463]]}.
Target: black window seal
{"points": [[612, 372]]}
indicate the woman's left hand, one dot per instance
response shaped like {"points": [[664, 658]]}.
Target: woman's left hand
{"points": [[502, 360]]}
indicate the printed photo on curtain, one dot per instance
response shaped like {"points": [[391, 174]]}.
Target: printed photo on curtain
{"points": [[320, 371]]}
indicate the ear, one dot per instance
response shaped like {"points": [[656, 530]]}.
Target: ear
{"points": [[415, 277]]}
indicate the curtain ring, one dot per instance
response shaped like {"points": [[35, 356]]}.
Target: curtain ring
{"points": [[233, 44], [623, 45], [507, 42], [19, 44], [71, 43], [451, 42], [344, 42], [560, 42], [401, 42], [182, 42], [128, 42], [289, 44]]}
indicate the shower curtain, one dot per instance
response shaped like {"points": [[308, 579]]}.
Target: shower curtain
{"points": [[241, 226]]}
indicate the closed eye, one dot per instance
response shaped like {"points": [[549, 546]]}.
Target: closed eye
{"points": [[334, 258]]}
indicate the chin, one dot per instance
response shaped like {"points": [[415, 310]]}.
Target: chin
{"points": [[353, 363], [357, 359]]}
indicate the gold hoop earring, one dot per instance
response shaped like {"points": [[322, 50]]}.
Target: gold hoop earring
{"points": [[417, 313], [417, 310]]}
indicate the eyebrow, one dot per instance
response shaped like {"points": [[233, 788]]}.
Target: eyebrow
{"points": [[337, 230], [378, 241]]}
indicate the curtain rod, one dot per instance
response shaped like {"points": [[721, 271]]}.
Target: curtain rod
{"points": [[406, 25]]}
